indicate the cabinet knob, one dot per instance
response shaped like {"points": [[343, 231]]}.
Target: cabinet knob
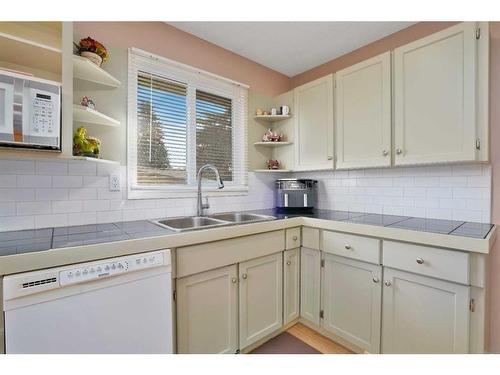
{"points": [[288, 262], [375, 279], [347, 247], [244, 276], [234, 280], [399, 151], [385, 152], [387, 283], [330, 157], [294, 238], [420, 260]]}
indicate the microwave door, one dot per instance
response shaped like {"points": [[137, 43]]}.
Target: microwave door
{"points": [[6, 112]]}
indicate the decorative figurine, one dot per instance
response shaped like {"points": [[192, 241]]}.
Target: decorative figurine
{"points": [[271, 136], [84, 145], [258, 112], [273, 164], [86, 102]]}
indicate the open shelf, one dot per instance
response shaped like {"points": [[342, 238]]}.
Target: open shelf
{"points": [[272, 170], [105, 161], [88, 116], [86, 70], [272, 144], [272, 117]]}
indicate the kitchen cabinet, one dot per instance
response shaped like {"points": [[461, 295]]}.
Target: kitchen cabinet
{"points": [[207, 312], [291, 285], [313, 103], [310, 273], [363, 114], [436, 102], [424, 315], [351, 301], [261, 298]]}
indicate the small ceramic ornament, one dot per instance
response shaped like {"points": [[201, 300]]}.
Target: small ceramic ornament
{"points": [[273, 164], [86, 102], [258, 112]]}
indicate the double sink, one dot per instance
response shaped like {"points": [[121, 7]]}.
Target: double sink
{"points": [[182, 224]]}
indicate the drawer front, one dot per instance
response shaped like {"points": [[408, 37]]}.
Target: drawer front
{"points": [[293, 238], [203, 257], [352, 246], [430, 261], [310, 238]]}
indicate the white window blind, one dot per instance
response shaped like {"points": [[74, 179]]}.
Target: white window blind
{"points": [[179, 119]]}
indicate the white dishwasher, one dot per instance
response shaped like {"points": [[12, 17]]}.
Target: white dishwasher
{"points": [[120, 305]]}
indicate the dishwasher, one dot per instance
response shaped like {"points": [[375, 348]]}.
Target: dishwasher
{"points": [[119, 305]]}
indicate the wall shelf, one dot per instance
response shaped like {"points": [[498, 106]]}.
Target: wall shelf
{"points": [[86, 70], [272, 118], [105, 161], [88, 116], [272, 144], [272, 170]]}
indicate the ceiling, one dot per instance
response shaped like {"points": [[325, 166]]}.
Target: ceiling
{"points": [[291, 47]]}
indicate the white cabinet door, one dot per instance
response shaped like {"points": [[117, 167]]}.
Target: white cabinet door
{"points": [[261, 298], [310, 274], [424, 315], [314, 125], [207, 312], [435, 97], [351, 300], [291, 285], [363, 114]]}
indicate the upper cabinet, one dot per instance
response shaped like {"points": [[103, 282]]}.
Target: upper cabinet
{"points": [[363, 114], [314, 125], [438, 88]]}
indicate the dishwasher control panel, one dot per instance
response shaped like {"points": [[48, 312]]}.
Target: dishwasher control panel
{"points": [[96, 270]]}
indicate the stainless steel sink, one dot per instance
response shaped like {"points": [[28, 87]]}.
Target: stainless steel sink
{"points": [[181, 224], [241, 217]]}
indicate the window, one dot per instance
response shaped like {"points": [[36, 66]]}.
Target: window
{"points": [[178, 120]]}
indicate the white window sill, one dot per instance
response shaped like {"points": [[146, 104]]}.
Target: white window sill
{"points": [[185, 193]]}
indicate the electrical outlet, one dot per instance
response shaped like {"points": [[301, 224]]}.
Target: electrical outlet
{"points": [[114, 182]]}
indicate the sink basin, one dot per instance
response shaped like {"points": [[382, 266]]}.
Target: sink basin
{"points": [[241, 217], [181, 224]]}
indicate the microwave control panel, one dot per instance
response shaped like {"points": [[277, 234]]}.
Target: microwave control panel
{"points": [[44, 120]]}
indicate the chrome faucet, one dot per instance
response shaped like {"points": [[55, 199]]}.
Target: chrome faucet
{"points": [[202, 206]]}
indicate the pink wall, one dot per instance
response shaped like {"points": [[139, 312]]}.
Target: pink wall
{"points": [[170, 42]]}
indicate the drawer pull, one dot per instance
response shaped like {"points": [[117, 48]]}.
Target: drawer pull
{"points": [[420, 260], [288, 262], [233, 280], [375, 279], [244, 276], [387, 283], [294, 238], [347, 247]]}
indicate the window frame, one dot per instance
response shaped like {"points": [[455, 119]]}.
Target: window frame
{"points": [[194, 79]]}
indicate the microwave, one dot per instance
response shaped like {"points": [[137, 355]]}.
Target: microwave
{"points": [[30, 112]]}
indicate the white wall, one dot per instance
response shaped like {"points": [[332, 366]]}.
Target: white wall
{"points": [[458, 192], [42, 193]]}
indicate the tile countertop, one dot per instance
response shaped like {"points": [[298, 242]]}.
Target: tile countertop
{"points": [[38, 240]]}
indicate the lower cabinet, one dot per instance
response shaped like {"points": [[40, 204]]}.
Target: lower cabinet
{"points": [[424, 315], [261, 298], [310, 274], [207, 312], [291, 285], [351, 300]]}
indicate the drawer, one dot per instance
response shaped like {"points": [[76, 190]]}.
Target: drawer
{"points": [[293, 238], [352, 246], [310, 238], [430, 261], [207, 256]]}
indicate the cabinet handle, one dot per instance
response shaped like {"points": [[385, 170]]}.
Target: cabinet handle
{"points": [[234, 280], [347, 247], [244, 276], [294, 238], [387, 283], [385, 152], [375, 279], [288, 262], [420, 260], [399, 151]]}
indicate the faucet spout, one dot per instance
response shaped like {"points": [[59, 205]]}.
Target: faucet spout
{"points": [[220, 184]]}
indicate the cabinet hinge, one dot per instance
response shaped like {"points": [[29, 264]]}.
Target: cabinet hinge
{"points": [[322, 262], [472, 305], [478, 143], [175, 295], [478, 33], [321, 314]]}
